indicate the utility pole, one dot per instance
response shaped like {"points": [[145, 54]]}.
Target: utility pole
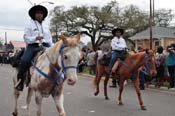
{"points": [[5, 38], [150, 22], [153, 10]]}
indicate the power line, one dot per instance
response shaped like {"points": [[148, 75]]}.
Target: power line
{"points": [[13, 29]]}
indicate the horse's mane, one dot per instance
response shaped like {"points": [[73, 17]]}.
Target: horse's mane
{"points": [[138, 57], [138, 54], [53, 51]]}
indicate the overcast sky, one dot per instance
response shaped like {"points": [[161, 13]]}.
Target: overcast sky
{"points": [[14, 13]]}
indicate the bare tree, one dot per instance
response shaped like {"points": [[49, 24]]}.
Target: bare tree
{"points": [[99, 21]]}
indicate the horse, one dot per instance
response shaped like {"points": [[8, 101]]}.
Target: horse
{"points": [[128, 70], [57, 64]]}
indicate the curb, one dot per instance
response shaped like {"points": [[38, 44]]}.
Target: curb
{"points": [[150, 87], [91, 76]]}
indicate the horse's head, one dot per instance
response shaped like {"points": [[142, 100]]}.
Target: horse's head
{"points": [[150, 62], [70, 55]]}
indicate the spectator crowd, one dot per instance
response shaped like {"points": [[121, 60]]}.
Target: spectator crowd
{"points": [[164, 62]]}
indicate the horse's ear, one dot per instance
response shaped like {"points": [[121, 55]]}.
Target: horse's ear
{"points": [[81, 55], [147, 50], [64, 39], [154, 50], [78, 37]]}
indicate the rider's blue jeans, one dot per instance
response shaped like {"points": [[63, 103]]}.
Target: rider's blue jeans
{"points": [[28, 55], [115, 55]]}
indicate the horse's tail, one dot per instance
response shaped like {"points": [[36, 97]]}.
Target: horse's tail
{"points": [[96, 76]]}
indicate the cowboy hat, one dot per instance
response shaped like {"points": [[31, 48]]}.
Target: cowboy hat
{"points": [[117, 29], [35, 8]]}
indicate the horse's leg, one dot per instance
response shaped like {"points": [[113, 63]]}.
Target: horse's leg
{"points": [[59, 100], [38, 100], [16, 95], [105, 86], [97, 79], [136, 85], [28, 99], [121, 85], [97, 85]]}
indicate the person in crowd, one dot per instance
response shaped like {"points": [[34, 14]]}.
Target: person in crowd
{"points": [[160, 61], [140, 49], [142, 71], [82, 62], [170, 63], [91, 62]]}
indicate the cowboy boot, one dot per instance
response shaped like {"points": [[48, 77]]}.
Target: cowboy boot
{"points": [[21, 76], [20, 82], [114, 83]]}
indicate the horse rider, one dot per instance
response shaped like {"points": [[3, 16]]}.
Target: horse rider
{"points": [[118, 45], [36, 36]]}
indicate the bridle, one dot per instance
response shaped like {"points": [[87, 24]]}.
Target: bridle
{"points": [[60, 73], [63, 67]]}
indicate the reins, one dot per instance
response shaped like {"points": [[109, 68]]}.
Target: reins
{"points": [[135, 66]]}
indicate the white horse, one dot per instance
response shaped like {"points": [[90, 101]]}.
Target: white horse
{"points": [[58, 63]]}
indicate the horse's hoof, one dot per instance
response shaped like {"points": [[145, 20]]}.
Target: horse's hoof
{"points": [[120, 104], [107, 98], [15, 114], [143, 108], [62, 114], [96, 93]]}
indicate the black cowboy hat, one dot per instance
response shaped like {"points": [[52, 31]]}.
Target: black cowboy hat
{"points": [[117, 29], [35, 8]]}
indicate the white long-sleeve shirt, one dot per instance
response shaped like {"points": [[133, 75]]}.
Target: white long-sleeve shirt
{"points": [[34, 29], [118, 43]]}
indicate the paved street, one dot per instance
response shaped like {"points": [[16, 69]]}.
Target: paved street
{"points": [[79, 100]]}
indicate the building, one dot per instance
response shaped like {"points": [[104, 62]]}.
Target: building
{"points": [[162, 36], [16, 45]]}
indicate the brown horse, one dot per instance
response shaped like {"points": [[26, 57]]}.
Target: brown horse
{"points": [[128, 70]]}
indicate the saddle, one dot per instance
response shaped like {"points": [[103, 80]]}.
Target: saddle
{"points": [[105, 58], [123, 55], [16, 60]]}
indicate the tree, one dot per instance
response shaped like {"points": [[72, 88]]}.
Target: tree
{"points": [[134, 19], [57, 17], [99, 21], [163, 17]]}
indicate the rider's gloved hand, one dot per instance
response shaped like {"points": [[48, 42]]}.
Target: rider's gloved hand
{"points": [[39, 38]]}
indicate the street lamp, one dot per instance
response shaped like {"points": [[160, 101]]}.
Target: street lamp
{"points": [[46, 2], [30, 2], [40, 3]]}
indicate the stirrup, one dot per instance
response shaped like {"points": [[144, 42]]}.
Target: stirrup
{"points": [[18, 82], [19, 86], [111, 75]]}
